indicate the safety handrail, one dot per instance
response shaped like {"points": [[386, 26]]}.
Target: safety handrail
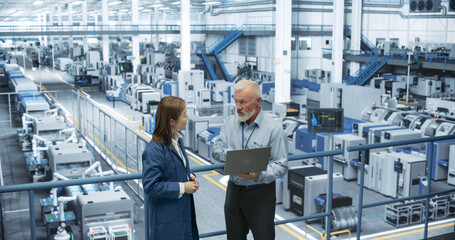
{"points": [[312, 228], [339, 232], [428, 174], [48, 185], [398, 143]]}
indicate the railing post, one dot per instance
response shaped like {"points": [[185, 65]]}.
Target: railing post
{"points": [[329, 197], [10, 113], [146, 216], [360, 208], [31, 207], [429, 176]]}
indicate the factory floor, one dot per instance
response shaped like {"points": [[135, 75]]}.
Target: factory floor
{"points": [[209, 199]]}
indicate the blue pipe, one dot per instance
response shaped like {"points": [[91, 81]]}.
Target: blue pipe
{"points": [[429, 177], [31, 207], [360, 208], [398, 143], [329, 198]]}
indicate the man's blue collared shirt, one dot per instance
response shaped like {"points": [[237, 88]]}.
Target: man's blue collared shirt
{"points": [[263, 132]]}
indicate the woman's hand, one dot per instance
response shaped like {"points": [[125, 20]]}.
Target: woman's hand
{"points": [[191, 186]]}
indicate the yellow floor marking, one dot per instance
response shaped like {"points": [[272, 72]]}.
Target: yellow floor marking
{"points": [[414, 231], [213, 173]]}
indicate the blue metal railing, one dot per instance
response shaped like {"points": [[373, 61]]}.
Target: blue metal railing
{"points": [[428, 174], [249, 28], [116, 27], [207, 64], [367, 42], [223, 67], [31, 187], [369, 71], [365, 68], [214, 44], [228, 40]]}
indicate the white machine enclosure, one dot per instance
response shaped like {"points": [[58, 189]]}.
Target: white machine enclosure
{"points": [[441, 106], [217, 87], [446, 128], [194, 126], [440, 158], [407, 183], [451, 175], [63, 63], [426, 87], [189, 83], [405, 134], [316, 185], [107, 209], [203, 98], [69, 159], [342, 163]]}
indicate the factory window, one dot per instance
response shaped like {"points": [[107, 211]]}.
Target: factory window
{"points": [[305, 43]]}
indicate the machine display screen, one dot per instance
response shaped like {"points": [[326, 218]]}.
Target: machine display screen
{"points": [[325, 120], [126, 67], [82, 81]]}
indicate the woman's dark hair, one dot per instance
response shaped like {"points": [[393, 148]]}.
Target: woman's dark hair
{"points": [[168, 108]]}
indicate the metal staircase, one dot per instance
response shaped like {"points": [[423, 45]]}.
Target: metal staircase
{"points": [[367, 70], [218, 47], [366, 45]]}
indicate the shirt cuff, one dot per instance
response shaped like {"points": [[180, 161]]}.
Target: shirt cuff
{"points": [[182, 189]]}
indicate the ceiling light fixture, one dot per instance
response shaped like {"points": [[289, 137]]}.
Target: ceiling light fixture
{"points": [[38, 2], [77, 2], [176, 3], [114, 3], [211, 3]]}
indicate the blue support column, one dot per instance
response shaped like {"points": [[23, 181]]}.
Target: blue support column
{"points": [[429, 177], [359, 210], [31, 207], [329, 198]]}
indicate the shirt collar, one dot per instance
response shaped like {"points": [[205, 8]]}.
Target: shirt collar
{"points": [[258, 119], [177, 135]]}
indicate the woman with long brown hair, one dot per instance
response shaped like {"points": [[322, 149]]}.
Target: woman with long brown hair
{"points": [[166, 176]]}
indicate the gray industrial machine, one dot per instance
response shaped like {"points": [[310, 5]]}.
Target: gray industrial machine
{"points": [[348, 161], [398, 174], [111, 210], [451, 174], [189, 83], [205, 140], [426, 87], [440, 158], [217, 87], [194, 126], [69, 159], [303, 184], [316, 185]]}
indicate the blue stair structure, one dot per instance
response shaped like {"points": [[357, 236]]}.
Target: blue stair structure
{"points": [[367, 70], [217, 47], [207, 64], [367, 45]]}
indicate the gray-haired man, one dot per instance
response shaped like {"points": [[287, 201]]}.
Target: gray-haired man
{"points": [[250, 197]]}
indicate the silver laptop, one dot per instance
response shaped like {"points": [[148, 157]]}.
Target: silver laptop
{"points": [[246, 160]]}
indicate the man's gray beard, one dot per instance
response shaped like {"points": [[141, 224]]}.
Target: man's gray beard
{"points": [[246, 117]]}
